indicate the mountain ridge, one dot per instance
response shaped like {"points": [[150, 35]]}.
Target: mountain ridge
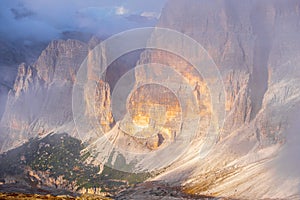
{"points": [[253, 44]]}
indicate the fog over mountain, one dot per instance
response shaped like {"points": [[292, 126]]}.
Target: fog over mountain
{"points": [[26, 27], [204, 106]]}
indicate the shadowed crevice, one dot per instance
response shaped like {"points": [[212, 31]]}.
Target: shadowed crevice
{"points": [[258, 83]]}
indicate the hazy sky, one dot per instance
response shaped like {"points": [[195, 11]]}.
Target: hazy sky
{"points": [[47, 19]]}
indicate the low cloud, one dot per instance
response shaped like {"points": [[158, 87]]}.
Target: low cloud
{"points": [[47, 20], [21, 12], [121, 10], [150, 14]]}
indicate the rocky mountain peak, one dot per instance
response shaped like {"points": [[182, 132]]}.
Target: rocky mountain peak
{"points": [[255, 47], [60, 60], [25, 77]]}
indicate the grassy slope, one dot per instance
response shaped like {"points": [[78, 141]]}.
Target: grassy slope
{"points": [[60, 155]]}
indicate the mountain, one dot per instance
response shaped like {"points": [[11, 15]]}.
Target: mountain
{"points": [[32, 109], [252, 155], [11, 55], [253, 46], [32, 103]]}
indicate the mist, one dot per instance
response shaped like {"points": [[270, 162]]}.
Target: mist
{"points": [[27, 26], [46, 20], [288, 160]]}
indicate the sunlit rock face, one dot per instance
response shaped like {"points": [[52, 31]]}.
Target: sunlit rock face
{"points": [[153, 104], [156, 113], [191, 79], [253, 45], [103, 105]]}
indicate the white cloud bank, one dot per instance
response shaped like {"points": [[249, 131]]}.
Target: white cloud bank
{"points": [[46, 20]]}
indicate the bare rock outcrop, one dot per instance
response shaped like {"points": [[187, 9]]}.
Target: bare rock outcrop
{"points": [[41, 99], [253, 45]]}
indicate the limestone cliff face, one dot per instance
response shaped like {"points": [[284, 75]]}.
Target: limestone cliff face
{"points": [[253, 45], [41, 98], [156, 110], [103, 105], [12, 53], [228, 37], [60, 60], [191, 77]]}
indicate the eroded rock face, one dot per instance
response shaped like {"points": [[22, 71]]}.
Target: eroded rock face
{"points": [[41, 98], [252, 43], [103, 105], [190, 81], [255, 46], [156, 110], [12, 53]]}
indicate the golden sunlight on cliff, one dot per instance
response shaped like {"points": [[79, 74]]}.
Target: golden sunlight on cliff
{"points": [[191, 75], [156, 111]]}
